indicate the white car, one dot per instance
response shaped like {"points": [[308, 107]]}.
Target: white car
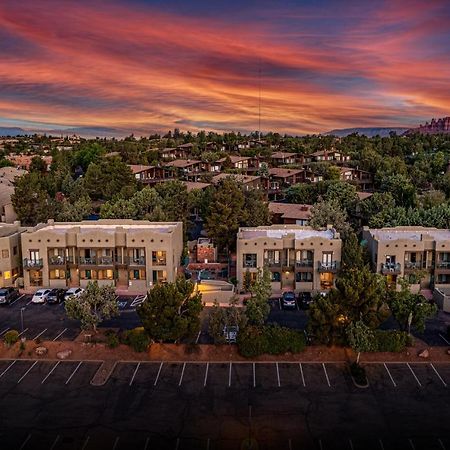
{"points": [[76, 292], [40, 296]]}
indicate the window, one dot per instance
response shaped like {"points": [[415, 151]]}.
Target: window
{"points": [[5, 253], [88, 274], [57, 274], [159, 276], [15, 250], [138, 274], [249, 260], [106, 274], [304, 277], [276, 277], [159, 258], [7, 275]]}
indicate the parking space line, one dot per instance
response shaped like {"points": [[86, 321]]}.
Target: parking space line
{"points": [[254, 375], [25, 442], [198, 336], [381, 444], [147, 441], [177, 444], [116, 442], [55, 442], [439, 376], [51, 371], [443, 338], [350, 442], [208, 443], [24, 331], [157, 376], [390, 376], [414, 375], [206, 374], [320, 444], [27, 372], [441, 444], [86, 442], [301, 372], [290, 444], [278, 375], [279, 303], [411, 443], [17, 299], [29, 303], [40, 334], [4, 331], [182, 373], [74, 372], [134, 373], [326, 374], [9, 367], [60, 334], [229, 375]]}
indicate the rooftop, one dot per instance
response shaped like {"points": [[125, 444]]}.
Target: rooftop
{"points": [[180, 163], [281, 231], [291, 210], [284, 173], [138, 168], [282, 154], [193, 185], [238, 177], [410, 233]]}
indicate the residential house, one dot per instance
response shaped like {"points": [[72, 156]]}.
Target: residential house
{"points": [[290, 213], [281, 179], [249, 181], [328, 155], [7, 177], [9, 253], [284, 158], [361, 178]]}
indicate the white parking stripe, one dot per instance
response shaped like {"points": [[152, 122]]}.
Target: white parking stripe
{"points": [[74, 372], [411, 443], [254, 375], [320, 444], [279, 303], [4, 331], [206, 374], [443, 338], [27, 372], [208, 443], [278, 376], [24, 331], [350, 443], [177, 444], [9, 367], [182, 373], [116, 442], [86, 442], [301, 372], [390, 376], [437, 373], [40, 334], [381, 444], [229, 375], [198, 336], [54, 443], [441, 444], [414, 375], [60, 334], [25, 442], [157, 376], [51, 371], [290, 444], [326, 374], [17, 299], [147, 442], [29, 303], [134, 373]]}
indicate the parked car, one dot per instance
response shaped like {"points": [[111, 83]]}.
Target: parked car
{"points": [[288, 300], [8, 295], [305, 300], [56, 296], [40, 296], [76, 292]]}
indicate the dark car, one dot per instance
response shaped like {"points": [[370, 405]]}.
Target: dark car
{"points": [[288, 300], [56, 296], [8, 295], [305, 300]]}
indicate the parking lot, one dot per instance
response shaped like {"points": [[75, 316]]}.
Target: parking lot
{"points": [[156, 405]]}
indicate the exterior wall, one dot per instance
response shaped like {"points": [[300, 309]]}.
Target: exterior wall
{"points": [[289, 266], [107, 250], [9, 255]]}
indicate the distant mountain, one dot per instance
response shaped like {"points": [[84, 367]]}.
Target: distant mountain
{"points": [[434, 127], [369, 132], [12, 131]]}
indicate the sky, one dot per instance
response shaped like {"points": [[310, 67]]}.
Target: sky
{"points": [[148, 65]]}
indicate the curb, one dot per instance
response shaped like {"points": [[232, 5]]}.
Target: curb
{"points": [[103, 373]]}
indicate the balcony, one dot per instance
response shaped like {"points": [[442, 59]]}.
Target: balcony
{"points": [[270, 262], [443, 266], [332, 266], [304, 263], [105, 261], [391, 268], [136, 261], [414, 265], [84, 261], [57, 260], [33, 263]]}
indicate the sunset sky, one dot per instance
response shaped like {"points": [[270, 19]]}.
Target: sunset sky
{"points": [[148, 65]]}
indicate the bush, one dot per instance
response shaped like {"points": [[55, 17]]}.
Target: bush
{"points": [[137, 339], [273, 339], [112, 339], [11, 337], [391, 340]]}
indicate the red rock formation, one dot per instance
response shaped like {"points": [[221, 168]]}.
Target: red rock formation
{"points": [[435, 127]]}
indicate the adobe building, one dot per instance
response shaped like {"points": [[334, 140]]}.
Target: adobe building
{"points": [[9, 253]]}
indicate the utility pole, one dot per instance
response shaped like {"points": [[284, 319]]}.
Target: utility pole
{"points": [[21, 318]]}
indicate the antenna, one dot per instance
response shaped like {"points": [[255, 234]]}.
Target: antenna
{"points": [[259, 102]]}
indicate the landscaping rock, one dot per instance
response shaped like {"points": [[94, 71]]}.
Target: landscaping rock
{"points": [[448, 351], [41, 351], [424, 354], [64, 354]]}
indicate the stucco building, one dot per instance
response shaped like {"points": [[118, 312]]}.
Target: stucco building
{"points": [[131, 255], [300, 258], [9, 253]]}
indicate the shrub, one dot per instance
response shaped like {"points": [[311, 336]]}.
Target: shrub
{"points": [[137, 339], [22, 346], [391, 340], [112, 339], [11, 337], [273, 339]]}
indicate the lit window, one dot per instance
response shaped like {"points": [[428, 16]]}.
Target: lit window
{"points": [[6, 274]]}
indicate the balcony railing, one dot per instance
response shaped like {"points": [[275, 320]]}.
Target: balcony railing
{"points": [[304, 263], [32, 263], [249, 264], [414, 265], [57, 260], [83, 260], [443, 265], [136, 261], [332, 266], [391, 268], [159, 262], [105, 261], [270, 262]]}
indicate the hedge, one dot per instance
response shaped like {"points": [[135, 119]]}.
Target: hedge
{"points": [[137, 339], [391, 340], [272, 339], [11, 337]]}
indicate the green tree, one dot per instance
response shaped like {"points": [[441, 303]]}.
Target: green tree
{"points": [[329, 212], [171, 311], [74, 212], [343, 193], [38, 165], [401, 188], [93, 306], [220, 317], [354, 255], [302, 193], [258, 308], [326, 323], [256, 210], [247, 281], [360, 337]]}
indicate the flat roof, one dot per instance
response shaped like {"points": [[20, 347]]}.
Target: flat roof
{"points": [[279, 233], [410, 233]]}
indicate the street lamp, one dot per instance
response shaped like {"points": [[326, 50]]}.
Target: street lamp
{"points": [[21, 317]]}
